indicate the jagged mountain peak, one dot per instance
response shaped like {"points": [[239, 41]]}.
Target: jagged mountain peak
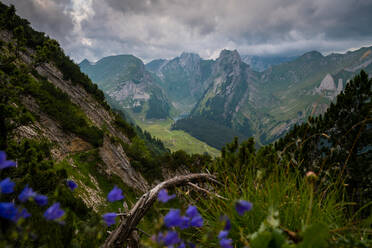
{"points": [[156, 64], [189, 55], [229, 57], [229, 53], [85, 62], [189, 59]]}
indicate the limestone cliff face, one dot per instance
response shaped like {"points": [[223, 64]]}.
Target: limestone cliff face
{"points": [[327, 87]]}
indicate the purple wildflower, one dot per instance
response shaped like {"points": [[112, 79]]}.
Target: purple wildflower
{"points": [[242, 206], [185, 223], [223, 234], [5, 163], [226, 243], [71, 184], [54, 212], [109, 218], [6, 186], [21, 214], [115, 194], [171, 238], [158, 238], [26, 193], [196, 221], [8, 210], [164, 197], [41, 200], [173, 218], [192, 211]]}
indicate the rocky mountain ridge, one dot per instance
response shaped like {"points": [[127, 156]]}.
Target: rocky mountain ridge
{"points": [[128, 85], [183, 79], [262, 63], [279, 97], [263, 104]]}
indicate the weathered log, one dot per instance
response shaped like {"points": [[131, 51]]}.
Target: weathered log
{"points": [[122, 233]]}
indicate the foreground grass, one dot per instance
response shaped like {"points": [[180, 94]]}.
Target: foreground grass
{"points": [[289, 209], [176, 139]]}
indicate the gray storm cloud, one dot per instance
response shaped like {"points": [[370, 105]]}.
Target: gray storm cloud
{"points": [[164, 28]]}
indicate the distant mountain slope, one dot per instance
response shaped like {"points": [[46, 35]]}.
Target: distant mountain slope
{"points": [[182, 78], [156, 65], [267, 104], [261, 63], [128, 84], [143, 94]]}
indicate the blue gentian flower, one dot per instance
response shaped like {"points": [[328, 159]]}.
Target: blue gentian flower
{"points": [[6, 186], [26, 193], [8, 210], [71, 184], [54, 212], [21, 214], [243, 206], [41, 200], [5, 163], [192, 211], [164, 197], [223, 234], [173, 218], [196, 221], [115, 194], [24, 213], [171, 238], [185, 223], [158, 238], [109, 218], [226, 243]]}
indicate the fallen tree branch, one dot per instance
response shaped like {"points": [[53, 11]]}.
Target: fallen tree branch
{"points": [[120, 235]]}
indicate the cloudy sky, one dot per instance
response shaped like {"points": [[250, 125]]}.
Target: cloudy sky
{"points": [[164, 28]]}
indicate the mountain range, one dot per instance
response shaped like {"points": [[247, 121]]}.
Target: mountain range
{"points": [[228, 94], [75, 173]]}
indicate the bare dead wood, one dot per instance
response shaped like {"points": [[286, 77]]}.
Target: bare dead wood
{"points": [[122, 233], [205, 191]]}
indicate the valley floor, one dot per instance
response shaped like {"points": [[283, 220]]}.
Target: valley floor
{"points": [[175, 139]]}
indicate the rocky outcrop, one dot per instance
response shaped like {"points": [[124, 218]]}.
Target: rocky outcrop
{"points": [[328, 88], [327, 84]]}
